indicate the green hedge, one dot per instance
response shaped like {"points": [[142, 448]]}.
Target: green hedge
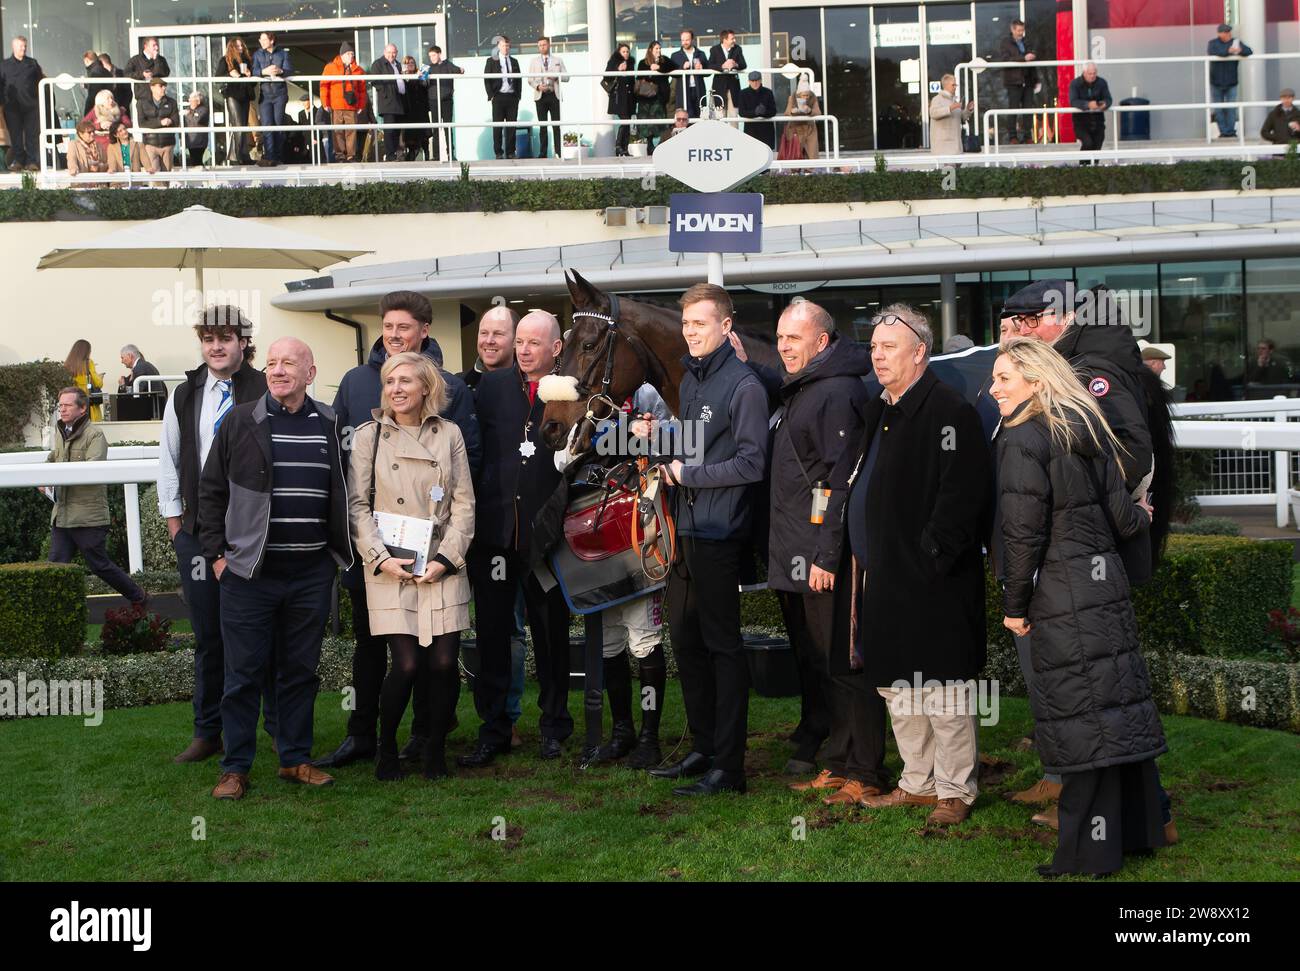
{"points": [[506, 195], [42, 609], [25, 390]]}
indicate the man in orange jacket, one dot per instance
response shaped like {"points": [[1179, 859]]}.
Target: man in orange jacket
{"points": [[344, 100]]}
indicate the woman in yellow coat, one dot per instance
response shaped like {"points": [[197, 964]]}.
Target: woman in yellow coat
{"points": [[85, 375], [411, 462]]}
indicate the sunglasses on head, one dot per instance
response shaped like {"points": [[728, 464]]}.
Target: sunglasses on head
{"points": [[889, 319]]}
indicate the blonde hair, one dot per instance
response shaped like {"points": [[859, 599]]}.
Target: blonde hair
{"points": [[435, 388], [1060, 397]]}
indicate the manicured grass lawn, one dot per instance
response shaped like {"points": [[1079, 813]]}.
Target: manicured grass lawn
{"points": [[106, 803]]}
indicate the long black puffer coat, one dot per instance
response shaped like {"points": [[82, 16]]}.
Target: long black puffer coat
{"points": [[1091, 693]]}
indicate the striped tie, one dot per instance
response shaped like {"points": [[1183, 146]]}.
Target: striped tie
{"points": [[224, 407]]}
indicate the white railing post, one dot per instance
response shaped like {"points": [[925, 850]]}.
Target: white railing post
{"points": [[134, 553], [1281, 471]]}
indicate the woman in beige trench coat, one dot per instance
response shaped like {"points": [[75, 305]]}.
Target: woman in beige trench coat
{"points": [[423, 472]]}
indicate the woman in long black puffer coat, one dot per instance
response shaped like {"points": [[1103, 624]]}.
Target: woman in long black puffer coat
{"points": [[620, 94], [1063, 503]]}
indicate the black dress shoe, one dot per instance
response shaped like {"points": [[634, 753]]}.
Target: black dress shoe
{"points": [[550, 748], [689, 767], [354, 749], [413, 751], [714, 782], [482, 755], [647, 754], [590, 757]]}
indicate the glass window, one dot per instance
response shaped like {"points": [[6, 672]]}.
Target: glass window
{"points": [[847, 88], [797, 37], [898, 96], [1272, 329], [634, 21], [992, 24], [274, 11], [707, 18], [61, 32], [1136, 288], [1200, 313]]}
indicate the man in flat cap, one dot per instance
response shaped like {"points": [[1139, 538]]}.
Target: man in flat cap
{"points": [[1223, 77], [757, 101], [1154, 358], [1282, 125]]}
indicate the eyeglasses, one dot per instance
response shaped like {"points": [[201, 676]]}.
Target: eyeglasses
{"points": [[889, 319], [1027, 321]]}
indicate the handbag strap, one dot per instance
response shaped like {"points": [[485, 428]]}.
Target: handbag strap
{"points": [[374, 457]]}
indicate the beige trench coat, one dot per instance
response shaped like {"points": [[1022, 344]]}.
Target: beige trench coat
{"points": [[411, 470], [805, 131], [946, 116]]}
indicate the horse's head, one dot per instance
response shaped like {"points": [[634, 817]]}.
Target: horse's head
{"points": [[594, 352]]}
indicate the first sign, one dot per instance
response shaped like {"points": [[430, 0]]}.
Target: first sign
{"points": [[712, 156]]}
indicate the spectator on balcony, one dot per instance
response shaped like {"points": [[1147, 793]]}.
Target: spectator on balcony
{"points": [[125, 154], [1021, 83], [344, 100], [94, 68], [122, 92], [652, 93], [389, 101], [545, 74], [503, 92], [1091, 95], [690, 87], [1268, 367], [131, 357], [757, 102], [619, 89], [272, 65], [1282, 125], [79, 522], [728, 60], [196, 136], [86, 376], [416, 101], [681, 122], [800, 138], [441, 102], [146, 66], [85, 154], [946, 117], [105, 113], [1223, 77], [238, 98], [20, 78], [159, 112]]}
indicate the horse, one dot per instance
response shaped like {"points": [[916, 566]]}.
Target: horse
{"points": [[616, 345]]}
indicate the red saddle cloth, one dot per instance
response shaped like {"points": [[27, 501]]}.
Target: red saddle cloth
{"points": [[599, 526]]}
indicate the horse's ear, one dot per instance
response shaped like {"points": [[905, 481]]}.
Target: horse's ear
{"points": [[583, 293]]}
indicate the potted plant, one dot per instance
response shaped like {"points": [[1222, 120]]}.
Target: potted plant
{"points": [[572, 147]]}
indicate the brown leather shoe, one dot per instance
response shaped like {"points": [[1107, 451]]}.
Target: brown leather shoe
{"points": [[1040, 793], [1171, 833], [232, 785], [850, 793], [899, 797], [200, 749], [824, 780], [306, 774], [950, 812], [1048, 817]]}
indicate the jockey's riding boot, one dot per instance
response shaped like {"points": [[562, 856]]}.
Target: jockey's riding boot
{"points": [[647, 754], [622, 741]]}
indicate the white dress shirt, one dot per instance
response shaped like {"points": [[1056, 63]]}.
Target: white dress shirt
{"points": [[507, 84], [169, 455]]}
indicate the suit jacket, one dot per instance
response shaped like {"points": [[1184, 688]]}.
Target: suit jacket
{"points": [[115, 157], [555, 71], [493, 85], [136, 67], [727, 84], [384, 97], [689, 89]]}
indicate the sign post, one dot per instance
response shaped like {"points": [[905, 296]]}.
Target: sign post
{"points": [[712, 157]]}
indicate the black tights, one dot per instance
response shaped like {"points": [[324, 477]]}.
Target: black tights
{"points": [[438, 661], [618, 682]]}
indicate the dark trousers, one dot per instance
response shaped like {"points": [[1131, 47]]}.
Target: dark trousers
{"points": [[855, 745], [548, 107], [808, 620], [278, 618], [624, 133], [443, 113], [393, 137], [689, 98], [24, 123], [203, 600], [1106, 813], [91, 540], [271, 112], [703, 601], [1091, 132], [505, 107], [1019, 126], [369, 665], [494, 573]]}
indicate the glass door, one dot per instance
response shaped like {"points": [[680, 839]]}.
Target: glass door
{"points": [[899, 96], [950, 39], [848, 77]]}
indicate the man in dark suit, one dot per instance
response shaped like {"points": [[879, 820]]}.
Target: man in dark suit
{"points": [[518, 477], [1020, 82], [146, 66], [388, 100], [728, 59], [504, 93], [123, 93], [441, 104], [690, 88], [757, 101]]}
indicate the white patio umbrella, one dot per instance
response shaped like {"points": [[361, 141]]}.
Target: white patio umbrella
{"points": [[199, 238]]}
